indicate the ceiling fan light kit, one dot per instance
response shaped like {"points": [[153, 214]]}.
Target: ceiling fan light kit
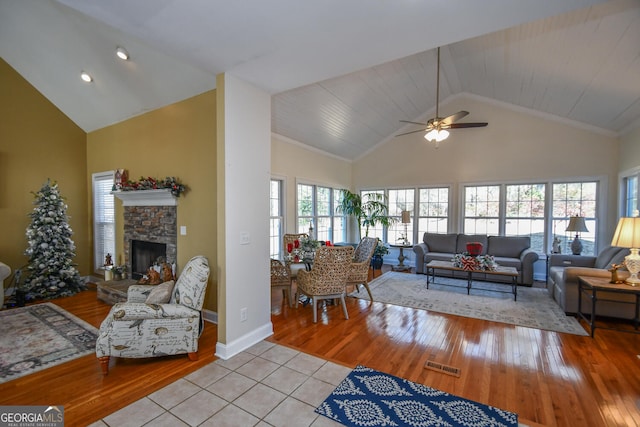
{"points": [[436, 128], [436, 135]]}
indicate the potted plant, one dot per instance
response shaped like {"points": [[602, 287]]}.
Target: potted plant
{"points": [[369, 209], [378, 255], [119, 272]]}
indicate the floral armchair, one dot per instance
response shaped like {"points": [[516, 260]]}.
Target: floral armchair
{"points": [[151, 324]]}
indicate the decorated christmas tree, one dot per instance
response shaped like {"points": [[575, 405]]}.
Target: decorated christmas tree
{"points": [[51, 273]]}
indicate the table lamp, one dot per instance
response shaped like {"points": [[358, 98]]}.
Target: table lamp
{"points": [[576, 224], [627, 235], [406, 219]]}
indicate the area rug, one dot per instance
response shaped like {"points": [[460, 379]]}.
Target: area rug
{"points": [[40, 336], [533, 309], [367, 397]]}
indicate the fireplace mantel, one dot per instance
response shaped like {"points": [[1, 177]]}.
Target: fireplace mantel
{"points": [[161, 197]]}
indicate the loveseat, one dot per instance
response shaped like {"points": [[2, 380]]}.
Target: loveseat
{"points": [[562, 282], [508, 251]]}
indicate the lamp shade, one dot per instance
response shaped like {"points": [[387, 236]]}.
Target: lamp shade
{"points": [[627, 233], [577, 224], [406, 217]]}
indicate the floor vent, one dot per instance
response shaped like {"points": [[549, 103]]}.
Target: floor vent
{"points": [[445, 369]]}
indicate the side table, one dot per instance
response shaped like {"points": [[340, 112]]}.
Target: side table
{"points": [[401, 258], [591, 286]]}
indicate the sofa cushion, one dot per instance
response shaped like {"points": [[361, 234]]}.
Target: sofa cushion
{"points": [[509, 262], [604, 257], [508, 246], [441, 242], [463, 239], [437, 256], [619, 257]]}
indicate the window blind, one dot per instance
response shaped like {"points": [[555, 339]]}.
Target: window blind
{"points": [[104, 227]]}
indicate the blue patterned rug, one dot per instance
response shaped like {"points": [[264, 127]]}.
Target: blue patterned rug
{"points": [[371, 398]]}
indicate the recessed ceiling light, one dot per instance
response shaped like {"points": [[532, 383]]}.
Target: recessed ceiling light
{"points": [[122, 53], [86, 77]]}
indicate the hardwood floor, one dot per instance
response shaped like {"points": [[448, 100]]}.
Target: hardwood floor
{"points": [[79, 385], [548, 378]]}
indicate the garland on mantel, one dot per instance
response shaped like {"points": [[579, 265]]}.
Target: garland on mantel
{"points": [[150, 183]]}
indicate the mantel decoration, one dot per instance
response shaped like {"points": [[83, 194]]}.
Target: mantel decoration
{"points": [[148, 183], [470, 262]]}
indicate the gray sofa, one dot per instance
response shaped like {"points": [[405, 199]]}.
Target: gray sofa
{"points": [[562, 282], [509, 251]]}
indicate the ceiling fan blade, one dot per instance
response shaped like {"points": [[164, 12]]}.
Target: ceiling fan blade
{"points": [[413, 131], [454, 117], [466, 125], [413, 123]]}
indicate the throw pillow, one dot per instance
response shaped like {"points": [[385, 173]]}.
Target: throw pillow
{"points": [[161, 293]]}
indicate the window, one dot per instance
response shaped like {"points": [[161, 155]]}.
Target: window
{"points": [[339, 220], [276, 219], [575, 199], [630, 196], [399, 201], [104, 224], [482, 209], [316, 206], [377, 230], [524, 213], [433, 212]]}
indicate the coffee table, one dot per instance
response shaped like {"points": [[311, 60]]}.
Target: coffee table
{"points": [[499, 271]]}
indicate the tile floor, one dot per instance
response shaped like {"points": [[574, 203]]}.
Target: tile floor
{"points": [[266, 385]]}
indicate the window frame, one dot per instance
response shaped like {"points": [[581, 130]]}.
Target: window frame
{"points": [[626, 210], [99, 253], [275, 241], [426, 218], [329, 219]]}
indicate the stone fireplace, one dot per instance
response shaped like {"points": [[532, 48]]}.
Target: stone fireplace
{"points": [[152, 224]]}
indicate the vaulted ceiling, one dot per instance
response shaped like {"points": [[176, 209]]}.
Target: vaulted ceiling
{"points": [[342, 74]]}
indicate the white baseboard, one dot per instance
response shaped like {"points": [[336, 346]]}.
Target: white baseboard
{"points": [[226, 351], [210, 316]]}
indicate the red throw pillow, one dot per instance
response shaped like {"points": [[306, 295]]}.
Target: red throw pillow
{"points": [[474, 248]]}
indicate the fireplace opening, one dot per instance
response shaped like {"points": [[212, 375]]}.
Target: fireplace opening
{"points": [[144, 255]]}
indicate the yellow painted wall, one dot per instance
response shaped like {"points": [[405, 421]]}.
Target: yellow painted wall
{"points": [[37, 142], [177, 140]]}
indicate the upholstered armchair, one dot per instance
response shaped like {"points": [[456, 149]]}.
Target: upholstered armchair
{"points": [[281, 279], [359, 271], [157, 320], [327, 278]]}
